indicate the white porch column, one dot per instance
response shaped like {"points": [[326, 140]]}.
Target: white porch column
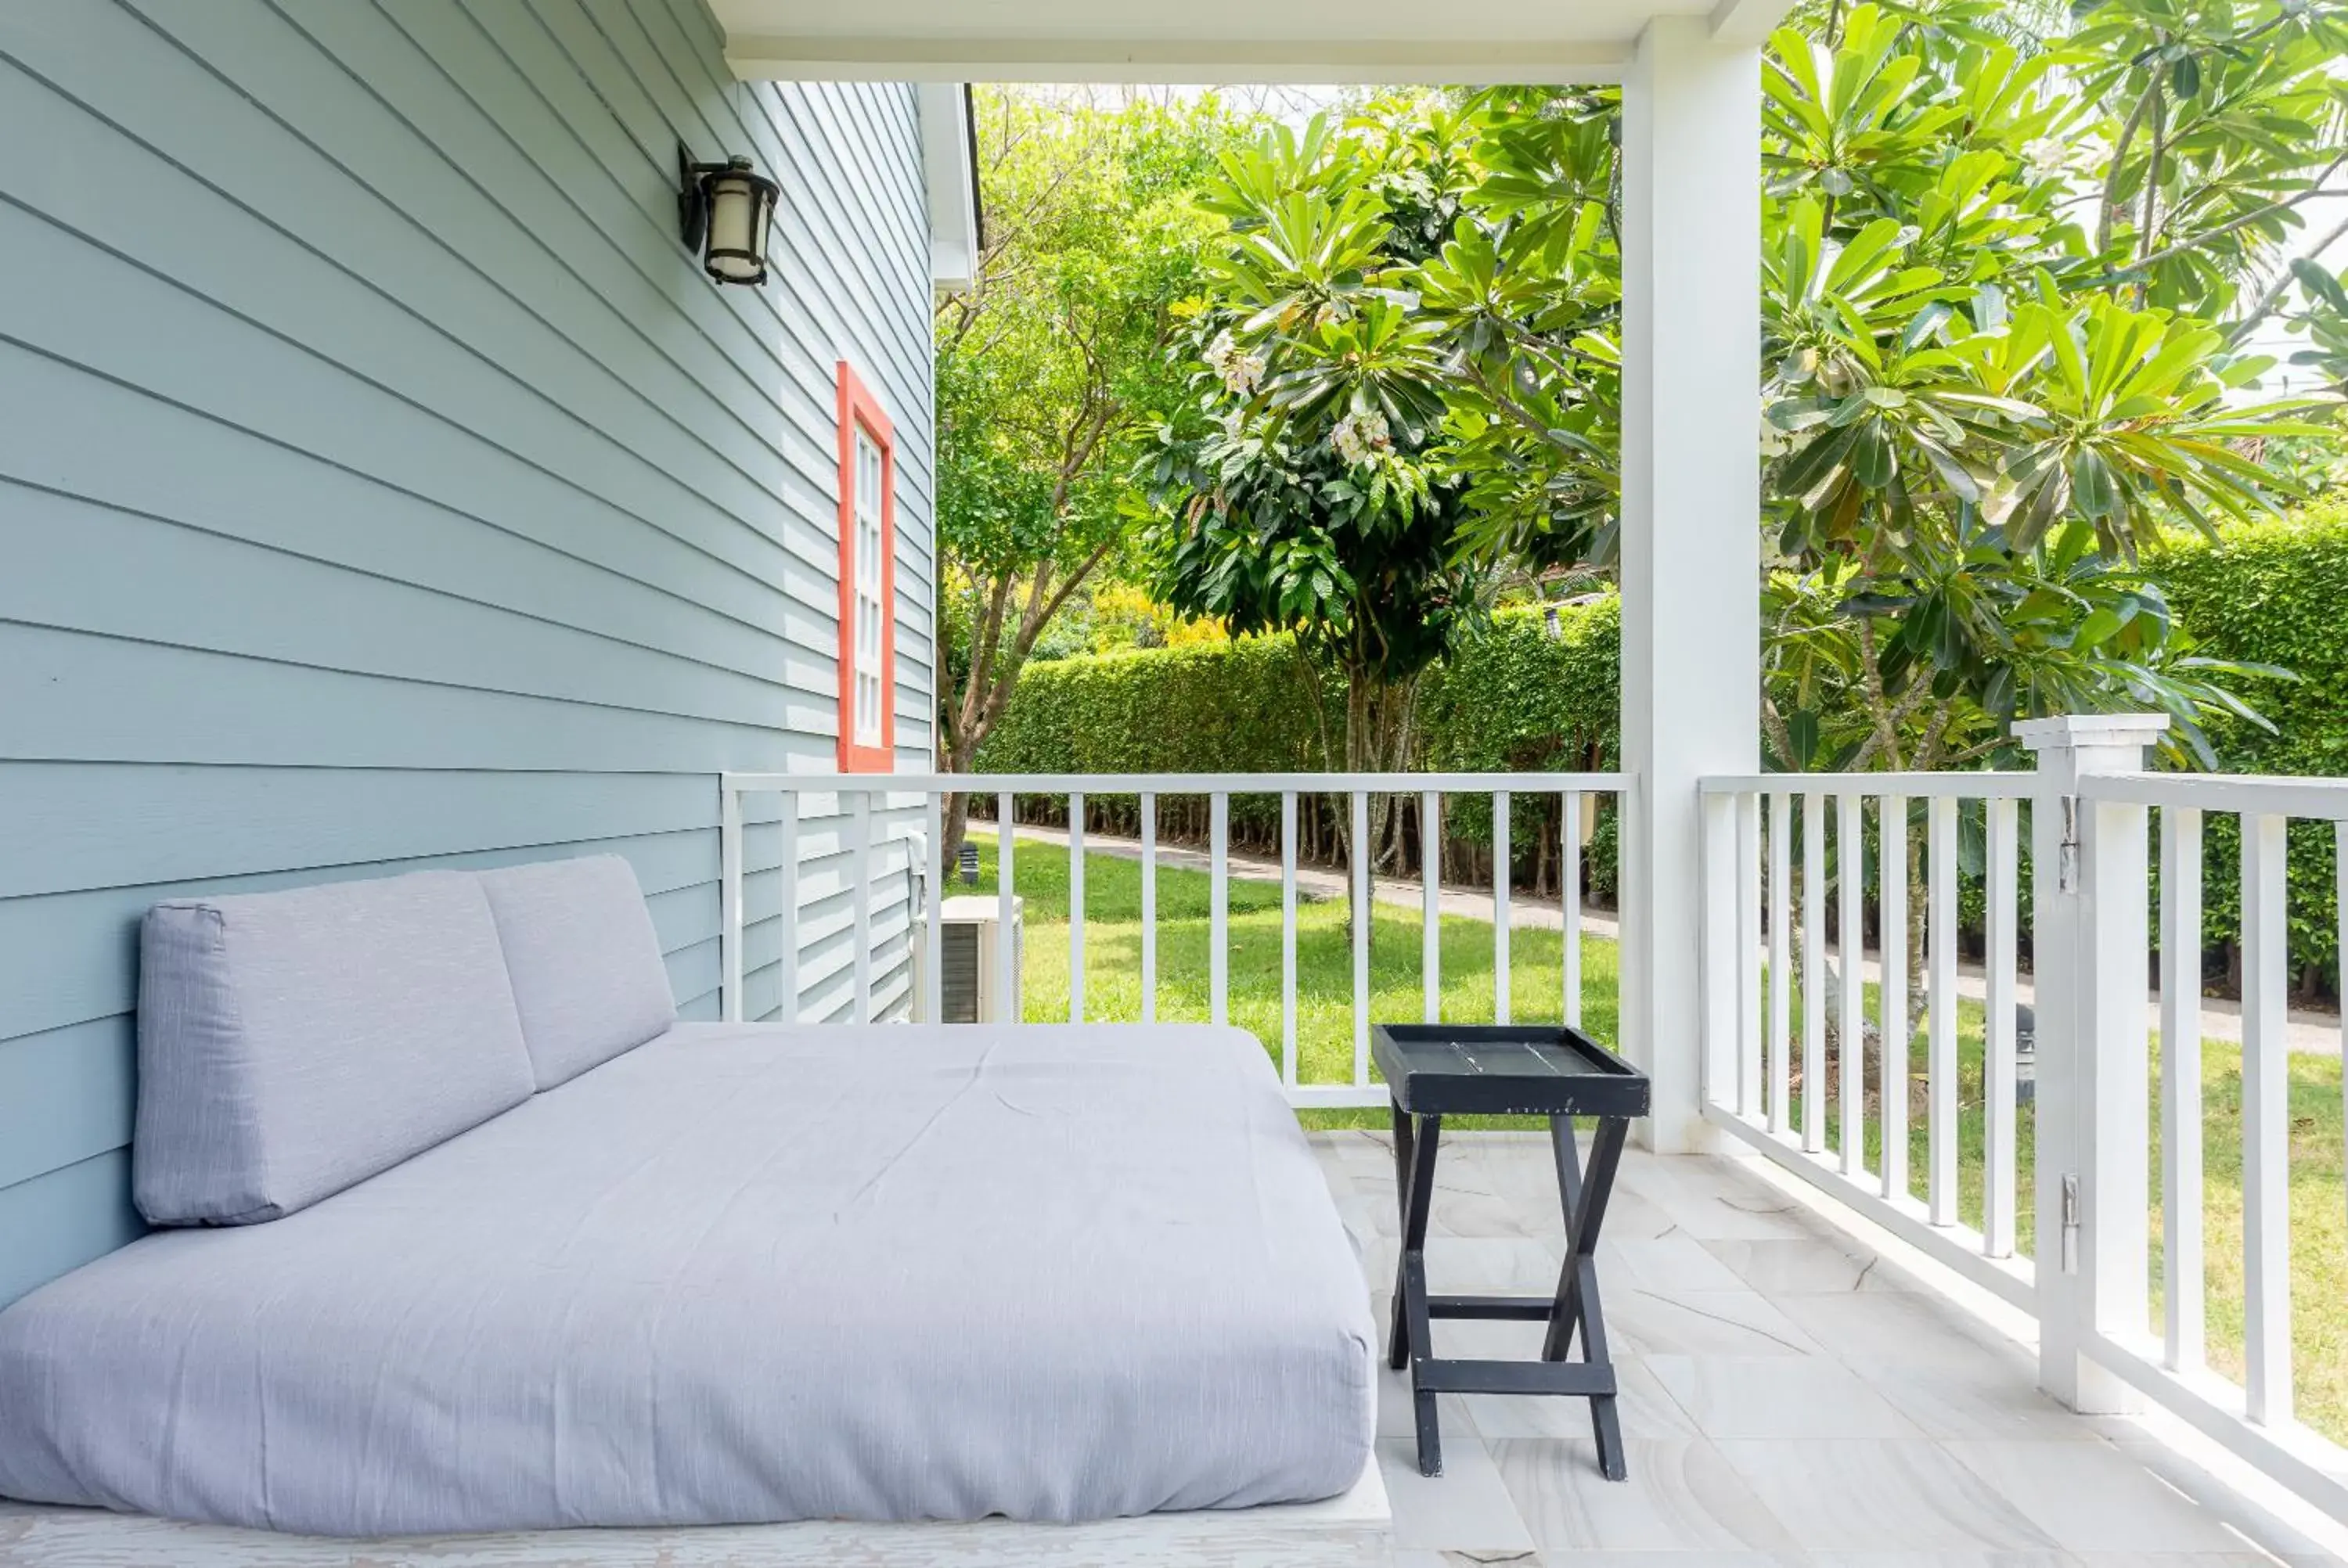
{"points": [[2089, 942], [1691, 501]]}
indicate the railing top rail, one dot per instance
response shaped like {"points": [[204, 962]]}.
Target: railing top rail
{"points": [[2324, 800], [1915, 786], [1169, 783]]}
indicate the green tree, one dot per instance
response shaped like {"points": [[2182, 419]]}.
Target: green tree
{"points": [[2008, 276], [1050, 369], [1287, 500], [1996, 366]]}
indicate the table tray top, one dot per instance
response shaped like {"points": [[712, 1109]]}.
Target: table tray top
{"points": [[1532, 1070]]}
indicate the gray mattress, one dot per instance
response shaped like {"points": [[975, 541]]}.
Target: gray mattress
{"points": [[745, 1273]]}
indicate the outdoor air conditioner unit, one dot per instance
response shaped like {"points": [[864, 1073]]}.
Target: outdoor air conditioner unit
{"points": [[967, 962]]}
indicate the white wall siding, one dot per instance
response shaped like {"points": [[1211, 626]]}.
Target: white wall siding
{"points": [[382, 487]]}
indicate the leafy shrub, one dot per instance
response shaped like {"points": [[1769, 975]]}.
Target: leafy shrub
{"points": [[2276, 593], [1244, 706], [1516, 698]]}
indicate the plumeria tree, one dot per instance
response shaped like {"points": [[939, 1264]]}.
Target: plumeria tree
{"points": [[1288, 504], [2012, 265], [2002, 329], [1287, 500]]}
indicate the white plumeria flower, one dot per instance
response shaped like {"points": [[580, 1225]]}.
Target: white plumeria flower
{"points": [[1239, 371], [1356, 435], [2046, 156]]}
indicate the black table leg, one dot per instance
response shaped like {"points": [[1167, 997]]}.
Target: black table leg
{"points": [[1412, 1341], [1398, 1328], [1577, 1306], [1574, 1311]]}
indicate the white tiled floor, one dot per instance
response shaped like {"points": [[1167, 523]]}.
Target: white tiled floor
{"points": [[1787, 1398]]}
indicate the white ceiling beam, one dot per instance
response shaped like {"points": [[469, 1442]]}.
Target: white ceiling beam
{"points": [[1747, 21], [1216, 60]]}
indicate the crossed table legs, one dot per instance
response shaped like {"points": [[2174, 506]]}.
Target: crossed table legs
{"points": [[1574, 1307]]}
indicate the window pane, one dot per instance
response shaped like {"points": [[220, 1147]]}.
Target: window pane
{"points": [[867, 633]]}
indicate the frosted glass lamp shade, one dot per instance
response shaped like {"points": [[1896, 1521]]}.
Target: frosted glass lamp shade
{"points": [[728, 211]]}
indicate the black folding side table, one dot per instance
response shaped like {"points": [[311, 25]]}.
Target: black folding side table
{"points": [[1434, 1070]]}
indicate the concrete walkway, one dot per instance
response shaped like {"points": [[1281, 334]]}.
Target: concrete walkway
{"points": [[2313, 1034]]}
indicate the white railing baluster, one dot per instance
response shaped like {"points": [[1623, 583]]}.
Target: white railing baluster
{"points": [[1891, 939], [2266, 1125], [1288, 938], [1006, 971], [2339, 953], [1430, 901], [1219, 920], [729, 901], [1781, 967], [1749, 955], [1814, 986], [2183, 1290], [1941, 1005], [1361, 856], [1075, 907], [786, 1005], [1500, 906], [934, 926], [1569, 885], [1850, 1058], [1149, 907], [2001, 1159], [1717, 960], [860, 884]]}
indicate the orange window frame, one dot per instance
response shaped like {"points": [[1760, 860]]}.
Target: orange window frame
{"points": [[859, 410]]}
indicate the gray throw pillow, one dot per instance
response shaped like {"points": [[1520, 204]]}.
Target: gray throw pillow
{"points": [[585, 962], [291, 1044]]}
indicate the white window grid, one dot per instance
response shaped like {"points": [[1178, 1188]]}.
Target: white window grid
{"points": [[871, 608]]}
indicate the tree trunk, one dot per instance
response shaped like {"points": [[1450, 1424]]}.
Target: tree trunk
{"points": [[953, 820], [1919, 888]]}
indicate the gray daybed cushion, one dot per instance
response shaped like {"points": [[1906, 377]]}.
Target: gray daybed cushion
{"points": [[742, 1274], [293, 1043], [584, 960]]}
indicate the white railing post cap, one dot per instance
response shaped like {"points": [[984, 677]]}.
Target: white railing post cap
{"points": [[2076, 732]]}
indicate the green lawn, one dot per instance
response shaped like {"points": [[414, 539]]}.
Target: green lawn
{"points": [[2319, 1200], [1324, 962], [1324, 992]]}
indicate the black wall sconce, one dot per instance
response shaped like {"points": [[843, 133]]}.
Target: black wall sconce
{"points": [[725, 210]]}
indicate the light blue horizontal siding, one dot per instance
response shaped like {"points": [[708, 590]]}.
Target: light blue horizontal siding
{"points": [[61, 1219], [384, 487]]}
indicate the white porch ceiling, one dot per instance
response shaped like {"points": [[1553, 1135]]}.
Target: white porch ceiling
{"points": [[1312, 41]]}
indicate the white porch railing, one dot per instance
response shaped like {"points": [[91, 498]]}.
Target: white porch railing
{"points": [[2087, 910], [839, 836], [1796, 868], [1768, 845]]}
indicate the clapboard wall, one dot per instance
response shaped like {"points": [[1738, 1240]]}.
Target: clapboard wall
{"points": [[383, 486]]}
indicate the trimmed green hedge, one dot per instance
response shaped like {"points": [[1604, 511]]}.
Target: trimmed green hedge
{"points": [[1226, 707], [1221, 707], [1516, 698], [1521, 698], [2275, 593]]}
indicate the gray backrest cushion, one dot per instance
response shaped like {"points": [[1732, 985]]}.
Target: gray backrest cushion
{"points": [[293, 1043], [586, 964]]}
